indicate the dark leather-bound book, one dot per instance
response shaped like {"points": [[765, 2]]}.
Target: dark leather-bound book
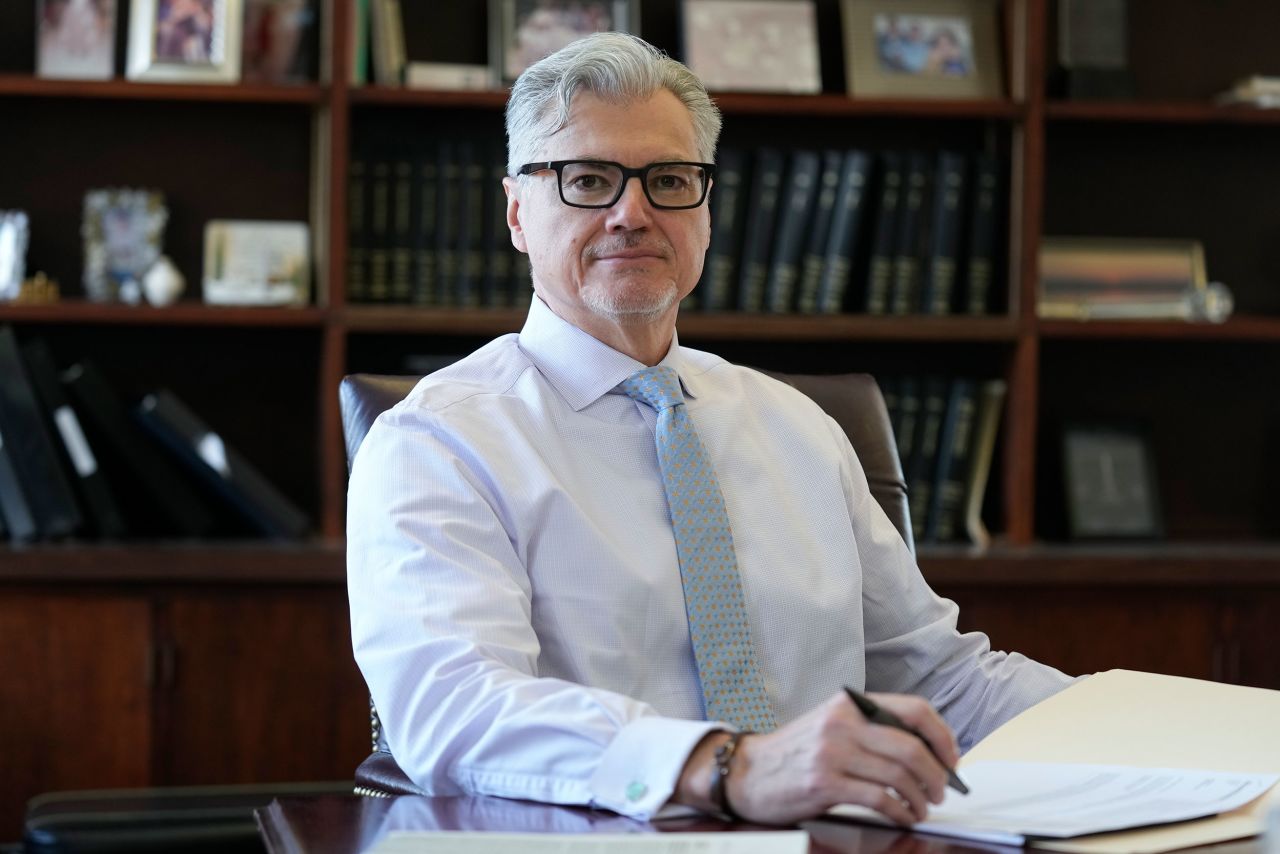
{"points": [[400, 274], [422, 214], [728, 215], [223, 468], [357, 258], [762, 211], [16, 521], [155, 499], [98, 498], [844, 242], [819, 231], [983, 221], [933, 408], [884, 244], [795, 211], [908, 249], [378, 219], [951, 470], [449, 172], [941, 261], [33, 449], [472, 173], [495, 291]]}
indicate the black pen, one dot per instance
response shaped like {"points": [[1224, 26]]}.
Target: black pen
{"points": [[884, 717]]}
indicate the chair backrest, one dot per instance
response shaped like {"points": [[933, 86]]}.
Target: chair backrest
{"points": [[853, 400]]}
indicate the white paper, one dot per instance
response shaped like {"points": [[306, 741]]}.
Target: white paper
{"points": [[480, 842], [1012, 801]]}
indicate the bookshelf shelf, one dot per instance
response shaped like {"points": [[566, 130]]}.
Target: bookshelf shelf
{"points": [[182, 314], [1239, 328], [392, 97], [1157, 112], [27, 86]]}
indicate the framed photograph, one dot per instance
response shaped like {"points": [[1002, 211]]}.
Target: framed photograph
{"points": [[253, 262], [76, 39], [521, 32], [193, 41], [922, 48], [276, 42], [1110, 480], [15, 232], [752, 45], [123, 232]]}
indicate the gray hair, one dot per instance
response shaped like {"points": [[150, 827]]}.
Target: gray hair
{"points": [[615, 67]]}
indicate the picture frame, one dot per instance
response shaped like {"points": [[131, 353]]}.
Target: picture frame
{"points": [[188, 41], [1110, 482], [257, 262], [123, 231], [76, 39], [521, 32], [15, 234], [753, 45], [946, 49], [276, 41]]}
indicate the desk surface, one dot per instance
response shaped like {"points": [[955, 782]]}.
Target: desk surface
{"points": [[350, 824]]}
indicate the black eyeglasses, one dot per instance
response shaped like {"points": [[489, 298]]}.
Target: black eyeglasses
{"points": [[669, 185]]}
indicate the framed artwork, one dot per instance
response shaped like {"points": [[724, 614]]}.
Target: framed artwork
{"points": [[194, 41], [252, 262], [276, 41], [1109, 475], [76, 39], [922, 48], [15, 231], [123, 232], [752, 45], [521, 32]]}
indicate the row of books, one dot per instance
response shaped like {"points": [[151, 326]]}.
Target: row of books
{"points": [[894, 232], [946, 431], [426, 225], [77, 461]]}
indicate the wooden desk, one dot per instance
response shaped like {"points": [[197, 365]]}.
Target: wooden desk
{"points": [[351, 824]]}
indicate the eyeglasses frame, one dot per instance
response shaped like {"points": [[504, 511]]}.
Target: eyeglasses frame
{"points": [[628, 172]]}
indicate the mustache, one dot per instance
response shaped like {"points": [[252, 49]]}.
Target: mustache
{"points": [[629, 241]]}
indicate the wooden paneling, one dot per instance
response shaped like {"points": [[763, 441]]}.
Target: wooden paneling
{"points": [[75, 698]]}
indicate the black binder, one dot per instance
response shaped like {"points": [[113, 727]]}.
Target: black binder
{"points": [[33, 453], [221, 466]]}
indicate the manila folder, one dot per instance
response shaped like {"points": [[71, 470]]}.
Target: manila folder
{"points": [[1122, 717]]}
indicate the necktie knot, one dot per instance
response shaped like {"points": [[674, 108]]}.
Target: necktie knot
{"points": [[657, 386]]}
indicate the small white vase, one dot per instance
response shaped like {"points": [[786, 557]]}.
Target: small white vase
{"points": [[162, 284]]}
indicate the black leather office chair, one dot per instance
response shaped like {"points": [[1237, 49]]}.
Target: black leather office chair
{"points": [[853, 400]]}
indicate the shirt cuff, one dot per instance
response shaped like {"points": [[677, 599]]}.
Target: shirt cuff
{"points": [[639, 770]]}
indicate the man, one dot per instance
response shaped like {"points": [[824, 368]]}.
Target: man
{"points": [[530, 598]]}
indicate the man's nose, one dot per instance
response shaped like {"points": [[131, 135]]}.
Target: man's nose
{"points": [[632, 210]]}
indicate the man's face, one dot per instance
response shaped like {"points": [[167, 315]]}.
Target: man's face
{"points": [[626, 265]]}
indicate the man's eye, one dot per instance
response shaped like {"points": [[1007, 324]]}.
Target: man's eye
{"points": [[589, 182]]}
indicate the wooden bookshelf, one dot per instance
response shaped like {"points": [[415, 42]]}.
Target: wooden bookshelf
{"points": [[1166, 163]]}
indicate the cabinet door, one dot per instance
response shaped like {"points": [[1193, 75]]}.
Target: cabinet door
{"points": [[1085, 631], [75, 699], [263, 688]]}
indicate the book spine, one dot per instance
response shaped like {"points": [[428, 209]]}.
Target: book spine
{"points": [[846, 229], [471, 193], [727, 220], [880, 274], [766, 186], [793, 220], [904, 427], [425, 210], [815, 246], [357, 269], [905, 288], [986, 426], [495, 292], [982, 235], [379, 249], [449, 170], [951, 469], [400, 275], [933, 407], [18, 523], [944, 243]]}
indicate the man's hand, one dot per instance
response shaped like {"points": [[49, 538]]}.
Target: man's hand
{"points": [[830, 756]]}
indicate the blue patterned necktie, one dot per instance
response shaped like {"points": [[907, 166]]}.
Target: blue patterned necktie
{"points": [[732, 687]]}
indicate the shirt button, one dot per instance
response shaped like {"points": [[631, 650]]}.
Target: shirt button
{"points": [[636, 790]]}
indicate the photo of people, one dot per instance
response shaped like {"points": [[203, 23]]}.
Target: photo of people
{"points": [[77, 39], [185, 31], [538, 28], [924, 45]]}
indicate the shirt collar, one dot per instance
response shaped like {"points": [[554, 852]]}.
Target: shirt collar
{"points": [[582, 369]]}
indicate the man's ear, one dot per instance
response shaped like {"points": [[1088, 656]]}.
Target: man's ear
{"points": [[512, 188]]}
